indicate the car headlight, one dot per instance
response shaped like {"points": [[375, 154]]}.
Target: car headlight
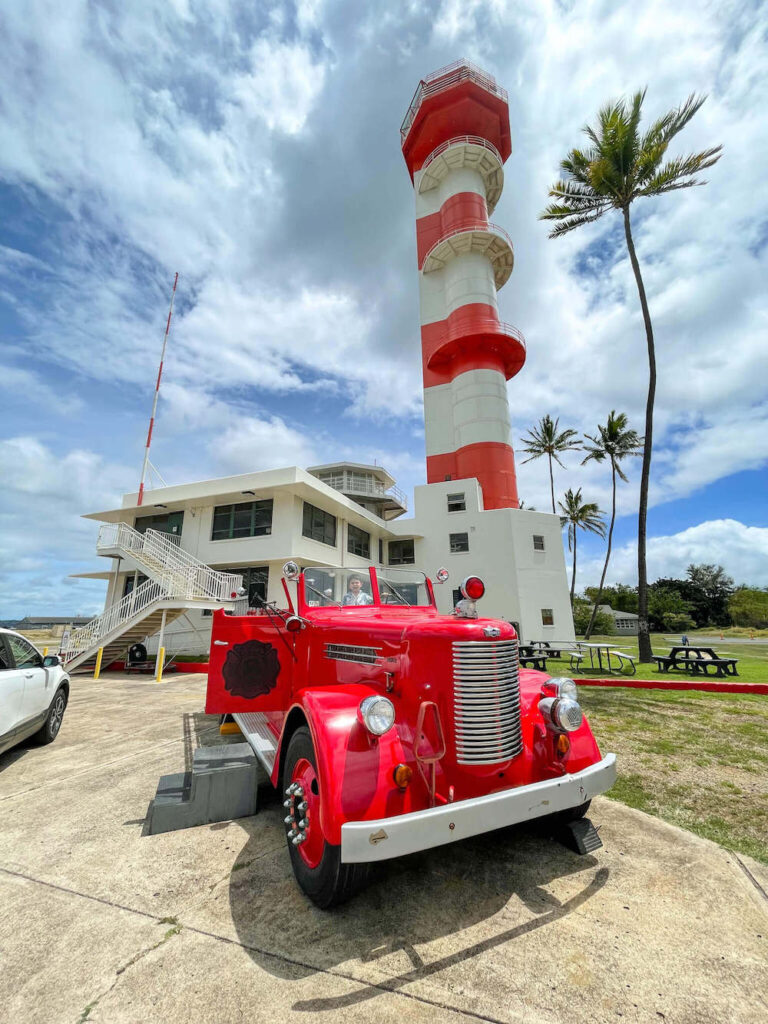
{"points": [[377, 714], [566, 688], [563, 713]]}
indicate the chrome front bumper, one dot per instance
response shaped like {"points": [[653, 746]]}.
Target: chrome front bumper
{"points": [[363, 841]]}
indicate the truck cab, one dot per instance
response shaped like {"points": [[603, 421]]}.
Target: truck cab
{"points": [[390, 727]]}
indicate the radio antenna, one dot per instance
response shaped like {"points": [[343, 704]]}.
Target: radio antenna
{"points": [[147, 464]]}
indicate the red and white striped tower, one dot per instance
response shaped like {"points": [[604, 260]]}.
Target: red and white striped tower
{"points": [[455, 140]]}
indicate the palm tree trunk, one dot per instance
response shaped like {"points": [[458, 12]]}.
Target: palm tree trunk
{"points": [[593, 616], [551, 483], [643, 633], [573, 576]]}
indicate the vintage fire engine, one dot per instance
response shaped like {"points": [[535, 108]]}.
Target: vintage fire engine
{"points": [[390, 727]]}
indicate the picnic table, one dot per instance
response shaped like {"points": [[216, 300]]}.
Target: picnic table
{"points": [[609, 649], [696, 660], [531, 657]]}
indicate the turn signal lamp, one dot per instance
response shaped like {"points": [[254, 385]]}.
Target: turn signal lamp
{"points": [[402, 776], [473, 588], [294, 624], [563, 744]]}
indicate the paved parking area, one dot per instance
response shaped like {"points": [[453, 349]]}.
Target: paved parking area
{"points": [[99, 923]]}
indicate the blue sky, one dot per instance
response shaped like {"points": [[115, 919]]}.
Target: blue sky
{"points": [[255, 150]]}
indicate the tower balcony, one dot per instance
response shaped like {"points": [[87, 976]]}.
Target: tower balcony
{"points": [[465, 151], [490, 240], [459, 98], [471, 340]]}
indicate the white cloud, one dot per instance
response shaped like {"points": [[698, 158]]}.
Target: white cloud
{"points": [[741, 550]]}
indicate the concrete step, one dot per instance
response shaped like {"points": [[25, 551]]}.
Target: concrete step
{"points": [[221, 786]]}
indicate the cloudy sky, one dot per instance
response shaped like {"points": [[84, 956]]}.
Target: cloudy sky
{"points": [[254, 148]]}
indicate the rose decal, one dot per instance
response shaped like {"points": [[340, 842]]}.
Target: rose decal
{"points": [[251, 669]]}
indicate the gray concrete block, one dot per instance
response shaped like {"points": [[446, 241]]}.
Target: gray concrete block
{"points": [[221, 786]]}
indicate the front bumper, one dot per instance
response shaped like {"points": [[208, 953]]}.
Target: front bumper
{"points": [[363, 841]]}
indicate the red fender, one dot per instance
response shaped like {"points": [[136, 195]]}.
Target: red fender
{"points": [[354, 767]]}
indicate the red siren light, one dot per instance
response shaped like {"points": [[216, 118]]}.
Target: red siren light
{"points": [[473, 588]]}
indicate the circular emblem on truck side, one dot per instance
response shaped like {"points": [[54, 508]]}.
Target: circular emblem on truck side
{"points": [[251, 669]]}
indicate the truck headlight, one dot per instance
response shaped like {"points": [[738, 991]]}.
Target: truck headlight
{"points": [[560, 686], [377, 714], [563, 713]]}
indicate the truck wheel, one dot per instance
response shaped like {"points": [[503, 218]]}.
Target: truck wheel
{"points": [[316, 863]]}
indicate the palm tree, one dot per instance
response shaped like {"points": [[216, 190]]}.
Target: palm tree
{"points": [[580, 516], [614, 441], [619, 166], [545, 440]]}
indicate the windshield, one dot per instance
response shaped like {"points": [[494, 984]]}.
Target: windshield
{"points": [[331, 587], [403, 587], [337, 588]]}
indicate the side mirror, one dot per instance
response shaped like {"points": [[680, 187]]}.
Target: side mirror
{"points": [[441, 576], [51, 661]]}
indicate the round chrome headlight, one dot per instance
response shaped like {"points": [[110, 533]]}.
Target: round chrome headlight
{"points": [[567, 714], [566, 688], [377, 714]]}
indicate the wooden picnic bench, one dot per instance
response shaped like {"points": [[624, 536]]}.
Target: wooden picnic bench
{"points": [[697, 661], [537, 661]]}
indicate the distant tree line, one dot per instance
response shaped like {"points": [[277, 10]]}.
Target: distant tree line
{"points": [[706, 596]]}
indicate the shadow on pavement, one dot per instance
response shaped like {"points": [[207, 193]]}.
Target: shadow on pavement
{"points": [[408, 903]]}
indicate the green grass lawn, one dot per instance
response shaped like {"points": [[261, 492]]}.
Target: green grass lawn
{"points": [[698, 760]]}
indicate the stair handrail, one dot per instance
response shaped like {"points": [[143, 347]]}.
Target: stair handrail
{"points": [[200, 580], [99, 628]]}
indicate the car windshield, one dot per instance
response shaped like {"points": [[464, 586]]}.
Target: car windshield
{"points": [[327, 587], [330, 587], [403, 587]]}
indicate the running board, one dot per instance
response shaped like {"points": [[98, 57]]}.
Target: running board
{"points": [[256, 732]]}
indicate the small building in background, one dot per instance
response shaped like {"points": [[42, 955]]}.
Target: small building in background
{"points": [[624, 623]]}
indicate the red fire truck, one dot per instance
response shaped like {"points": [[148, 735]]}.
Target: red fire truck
{"points": [[389, 727]]}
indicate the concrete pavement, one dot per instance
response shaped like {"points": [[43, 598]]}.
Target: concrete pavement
{"points": [[102, 924]]}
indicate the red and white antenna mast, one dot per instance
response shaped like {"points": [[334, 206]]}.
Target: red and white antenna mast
{"points": [[147, 464]]}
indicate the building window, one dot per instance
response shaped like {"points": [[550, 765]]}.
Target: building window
{"points": [[547, 617], [358, 542], [246, 519], [401, 552], [319, 525], [456, 503], [459, 542], [381, 551], [538, 542]]}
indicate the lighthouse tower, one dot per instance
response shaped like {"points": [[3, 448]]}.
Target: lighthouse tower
{"points": [[455, 140]]}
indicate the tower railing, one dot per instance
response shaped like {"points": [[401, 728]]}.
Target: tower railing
{"points": [[471, 140], [445, 78], [485, 226]]}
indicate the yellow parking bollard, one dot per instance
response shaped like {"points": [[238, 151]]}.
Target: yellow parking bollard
{"points": [[45, 652], [160, 662], [99, 656]]}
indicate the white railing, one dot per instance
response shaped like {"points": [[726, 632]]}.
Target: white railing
{"points": [[164, 559], [97, 630], [445, 78], [464, 229], [472, 140], [353, 484]]}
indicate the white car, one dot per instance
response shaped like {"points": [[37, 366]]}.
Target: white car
{"points": [[33, 692]]}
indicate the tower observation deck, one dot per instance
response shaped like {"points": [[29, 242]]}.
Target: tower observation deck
{"points": [[455, 140]]}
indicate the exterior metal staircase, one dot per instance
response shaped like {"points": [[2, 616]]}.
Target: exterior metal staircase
{"points": [[176, 582]]}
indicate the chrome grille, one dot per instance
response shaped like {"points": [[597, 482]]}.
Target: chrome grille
{"points": [[486, 701]]}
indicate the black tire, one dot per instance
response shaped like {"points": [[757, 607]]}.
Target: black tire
{"points": [[571, 813], [50, 727], [137, 654], [330, 882]]}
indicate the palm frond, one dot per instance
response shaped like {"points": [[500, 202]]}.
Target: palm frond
{"points": [[575, 222], [671, 176]]}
